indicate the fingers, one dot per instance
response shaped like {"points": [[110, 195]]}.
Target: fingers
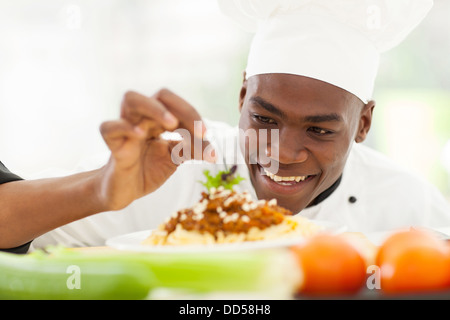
{"points": [[176, 149], [166, 111], [183, 150], [116, 133], [183, 111], [136, 107], [189, 119]]}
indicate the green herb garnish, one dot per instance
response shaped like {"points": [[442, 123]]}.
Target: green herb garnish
{"points": [[226, 179]]}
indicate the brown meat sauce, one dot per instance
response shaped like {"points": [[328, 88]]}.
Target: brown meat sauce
{"points": [[228, 212]]}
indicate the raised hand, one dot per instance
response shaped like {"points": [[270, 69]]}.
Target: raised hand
{"points": [[141, 161]]}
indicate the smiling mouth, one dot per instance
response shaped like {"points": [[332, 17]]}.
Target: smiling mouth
{"points": [[286, 180]]}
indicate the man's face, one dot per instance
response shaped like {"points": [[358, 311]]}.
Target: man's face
{"points": [[316, 122]]}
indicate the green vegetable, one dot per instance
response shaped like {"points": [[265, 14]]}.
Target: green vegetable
{"points": [[273, 272], [133, 275], [71, 275], [226, 179]]}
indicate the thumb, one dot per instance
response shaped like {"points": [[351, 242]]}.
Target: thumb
{"points": [[122, 138]]}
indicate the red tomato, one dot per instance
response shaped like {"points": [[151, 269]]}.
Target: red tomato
{"points": [[330, 265], [413, 261], [448, 263]]}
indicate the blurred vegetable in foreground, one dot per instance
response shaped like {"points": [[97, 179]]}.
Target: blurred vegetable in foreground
{"points": [[413, 261], [331, 266], [132, 275], [67, 275]]}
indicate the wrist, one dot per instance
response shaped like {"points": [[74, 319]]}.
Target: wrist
{"points": [[108, 190], [99, 190]]}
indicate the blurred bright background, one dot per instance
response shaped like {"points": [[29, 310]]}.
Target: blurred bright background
{"points": [[65, 65]]}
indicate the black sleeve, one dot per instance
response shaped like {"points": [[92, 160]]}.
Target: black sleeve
{"points": [[20, 249], [8, 176]]}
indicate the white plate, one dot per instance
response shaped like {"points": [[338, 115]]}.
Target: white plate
{"points": [[133, 242]]}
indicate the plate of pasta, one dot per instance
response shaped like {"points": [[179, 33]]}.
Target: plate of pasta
{"points": [[136, 241], [224, 220]]}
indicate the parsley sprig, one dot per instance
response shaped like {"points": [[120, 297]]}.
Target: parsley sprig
{"points": [[226, 179]]}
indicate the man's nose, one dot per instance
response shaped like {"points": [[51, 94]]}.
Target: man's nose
{"points": [[287, 149]]}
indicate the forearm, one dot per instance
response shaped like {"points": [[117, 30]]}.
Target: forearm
{"points": [[30, 208]]}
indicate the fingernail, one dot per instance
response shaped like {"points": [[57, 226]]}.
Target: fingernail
{"points": [[170, 119], [211, 157]]}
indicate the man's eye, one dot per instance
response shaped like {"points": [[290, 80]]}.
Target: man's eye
{"points": [[320, 131], [263, 119]]}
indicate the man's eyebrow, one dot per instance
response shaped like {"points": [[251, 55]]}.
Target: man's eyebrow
{"points": [[268, 106], [312, 118], [323, 118]]}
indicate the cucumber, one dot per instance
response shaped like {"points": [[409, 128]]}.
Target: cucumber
{"points": [[72, 275]]}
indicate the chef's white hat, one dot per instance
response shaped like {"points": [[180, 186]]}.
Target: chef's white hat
{"points": [[336, 41]]}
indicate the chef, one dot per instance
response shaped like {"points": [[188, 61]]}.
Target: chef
{"points": [[309, 79]]}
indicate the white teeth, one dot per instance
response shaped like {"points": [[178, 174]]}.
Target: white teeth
{"points": [[278, 178]]}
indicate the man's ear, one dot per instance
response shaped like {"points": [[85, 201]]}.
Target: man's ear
{"points": [[365, 121], [242, 93]]}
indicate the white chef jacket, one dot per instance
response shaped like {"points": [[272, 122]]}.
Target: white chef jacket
{"points": [[387, 197]]}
